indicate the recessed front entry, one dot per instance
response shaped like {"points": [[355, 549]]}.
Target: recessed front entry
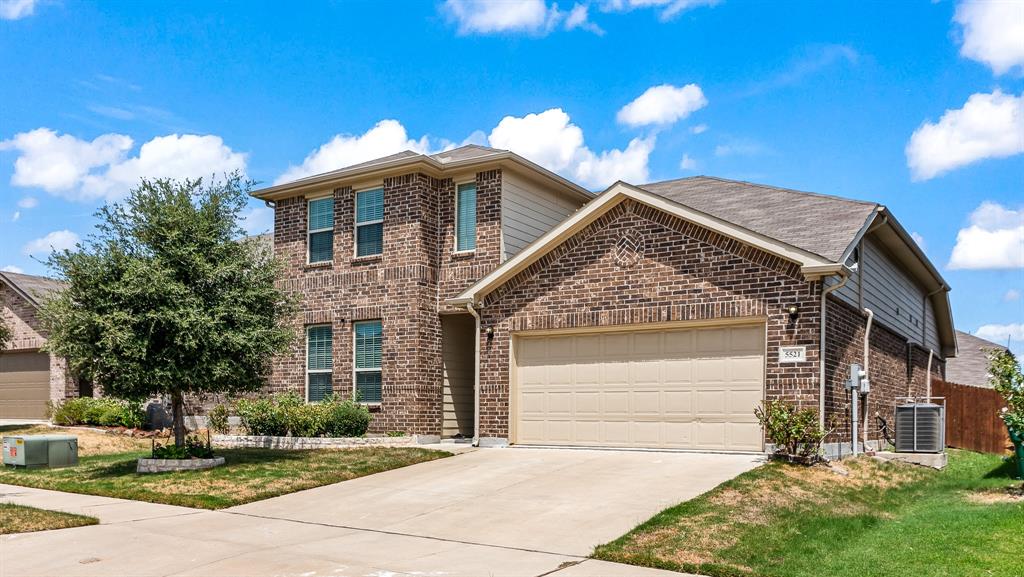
{"points": [[685, 388]]}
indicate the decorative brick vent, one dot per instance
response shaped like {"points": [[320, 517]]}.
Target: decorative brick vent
{"points": [[170, 465], [629, 249]]}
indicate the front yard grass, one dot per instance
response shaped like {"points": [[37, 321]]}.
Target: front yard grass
{"points": [[880, 519], [107, 468], [22, 519]]}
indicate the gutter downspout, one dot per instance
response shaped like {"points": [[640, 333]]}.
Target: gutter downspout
{"points": [[867, 374], [476, 377], [928, 375], [825, 290]]}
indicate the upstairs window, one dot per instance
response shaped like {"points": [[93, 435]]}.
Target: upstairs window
{"points": [[320, 241], [370, 222], [465, 217], [319, 362], [368, 337]]}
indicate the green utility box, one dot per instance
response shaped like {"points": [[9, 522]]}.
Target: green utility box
{"points": [[33, 451]]}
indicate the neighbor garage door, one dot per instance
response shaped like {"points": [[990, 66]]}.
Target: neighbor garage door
{"points": [[692, 388], [24, 385]]}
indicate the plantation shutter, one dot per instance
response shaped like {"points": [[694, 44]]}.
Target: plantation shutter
{"points": [[465, 231], [319, 362], [368, 337], [321, 230], [369, 222]]}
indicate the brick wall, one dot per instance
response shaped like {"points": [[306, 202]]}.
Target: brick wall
{"points": [[402, 287], [635, 265], [896, 369], [27, 334]]}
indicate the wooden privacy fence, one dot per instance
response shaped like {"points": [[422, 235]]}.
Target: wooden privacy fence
{"points": [[972, 417]]}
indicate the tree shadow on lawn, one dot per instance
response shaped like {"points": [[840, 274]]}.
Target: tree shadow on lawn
{"points": [[1006, 470]]}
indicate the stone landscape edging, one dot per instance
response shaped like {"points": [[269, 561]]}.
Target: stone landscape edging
{"points": [[291, 443], [169, 465]]}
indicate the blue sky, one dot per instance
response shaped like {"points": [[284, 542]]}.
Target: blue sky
{"points": [[917, 105]]}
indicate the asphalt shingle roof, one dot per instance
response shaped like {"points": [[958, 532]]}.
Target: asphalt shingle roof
{"points": [[970, 365], [38, 288], [817, 223]]}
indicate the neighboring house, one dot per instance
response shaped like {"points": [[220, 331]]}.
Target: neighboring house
{"points": [[657, 315], [29, 377], [970, 367]]}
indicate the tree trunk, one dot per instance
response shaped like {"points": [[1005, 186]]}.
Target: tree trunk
{"points": [[178, 417]]}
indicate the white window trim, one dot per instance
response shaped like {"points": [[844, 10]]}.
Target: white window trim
{"points": [[310, 233], [306, 359], [455, 248], [357, 224], [379, 369]]}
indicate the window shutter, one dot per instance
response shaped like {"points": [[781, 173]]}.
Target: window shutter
{"points": [[370, 205], [368, 345], [321, 213], [319, 348], [465, 234]]}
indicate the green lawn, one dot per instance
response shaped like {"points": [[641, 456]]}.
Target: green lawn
{"points": [[22, 519], [248, 475], [879, 519]]}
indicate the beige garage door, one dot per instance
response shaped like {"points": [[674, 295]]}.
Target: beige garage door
{"points": [[24, 385], [680, 388]]}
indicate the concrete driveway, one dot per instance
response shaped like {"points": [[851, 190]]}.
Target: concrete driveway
{"points": [[510, 512]]}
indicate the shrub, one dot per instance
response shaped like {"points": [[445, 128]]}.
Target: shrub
{"points": [[217, 420], [194, 448], [795, 432], [103, 411], [1008, 380], [288, 414], [262, 417]]}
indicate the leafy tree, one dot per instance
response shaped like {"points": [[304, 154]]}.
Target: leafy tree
{"points": [[1008, 380], [5, 333], [164, 299]]}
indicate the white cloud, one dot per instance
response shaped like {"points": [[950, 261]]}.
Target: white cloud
{"points": [[28, 202], [15, 9], [993, 240], [1011, 295], [741, 147], [699, 129], [100, 169], [1000, 333], [988, 126], [919, 240], [663, 104], [687, 163], [386, 137], [551, 139], [12, 268], [669, 8], [579, 17], [993, 33], [55, 241], [507, 16], [16, 216], [258, 220]]}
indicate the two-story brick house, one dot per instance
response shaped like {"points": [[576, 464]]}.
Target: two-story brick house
{"points": [[473, 293]]}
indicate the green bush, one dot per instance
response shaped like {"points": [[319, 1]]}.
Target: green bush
{"points": [[288, 414], [194, 448], [217, 420], [795, 432], [103, 411]]}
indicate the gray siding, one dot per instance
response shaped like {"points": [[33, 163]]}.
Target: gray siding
{"points": [[894, 297], [528, 211]]}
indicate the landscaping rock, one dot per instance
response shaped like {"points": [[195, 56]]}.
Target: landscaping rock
{"points": [[169, 465]]}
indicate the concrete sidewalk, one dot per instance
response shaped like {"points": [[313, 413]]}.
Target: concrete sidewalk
{"points": [[504, 513]]}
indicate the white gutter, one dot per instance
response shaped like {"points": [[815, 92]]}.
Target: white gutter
{"points": [[825, 290], [867, 374], [476, 377]]}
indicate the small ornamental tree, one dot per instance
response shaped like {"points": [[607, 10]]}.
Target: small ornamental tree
{"points": [[1005, 375], [166, 298], [5, 334]]}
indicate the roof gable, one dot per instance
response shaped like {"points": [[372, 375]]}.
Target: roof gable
{"points": [[34, 289], [819, 224], [812, 264]]}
